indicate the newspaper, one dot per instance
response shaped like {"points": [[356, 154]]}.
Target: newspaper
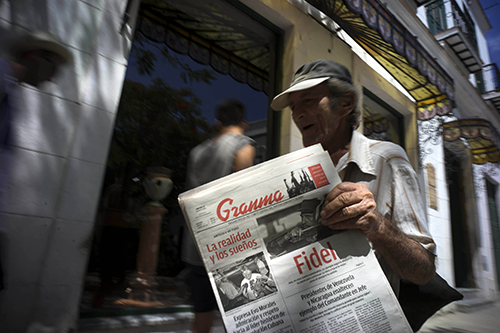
{"points": [[273, 266]]}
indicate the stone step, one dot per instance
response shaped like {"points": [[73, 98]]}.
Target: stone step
{"points": [[472, 304], [99, 324], [470, 293], [472, 300]]}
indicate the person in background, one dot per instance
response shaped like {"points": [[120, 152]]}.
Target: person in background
{"points": [[379, 193], [255, 285], [230, 295], [34, 58], [229, 151]]}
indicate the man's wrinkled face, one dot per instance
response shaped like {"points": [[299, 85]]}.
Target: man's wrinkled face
{"points": [[308, 218], [313, 115]]}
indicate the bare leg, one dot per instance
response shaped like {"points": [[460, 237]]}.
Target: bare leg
{"points": [[203, 321]]}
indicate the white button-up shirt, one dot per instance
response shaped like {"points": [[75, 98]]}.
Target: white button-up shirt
{"points": [[385, 169]]}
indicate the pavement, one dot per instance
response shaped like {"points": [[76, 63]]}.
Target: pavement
{"points": [[478, 319], [164, 323]]}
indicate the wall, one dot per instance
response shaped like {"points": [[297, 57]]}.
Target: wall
{"points": [[62, 133], [469, 104]]}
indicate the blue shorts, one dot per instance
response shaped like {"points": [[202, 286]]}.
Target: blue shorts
{"points": [[202, 294]]}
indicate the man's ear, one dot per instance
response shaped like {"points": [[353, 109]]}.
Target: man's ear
{"points": [[346, 104]]}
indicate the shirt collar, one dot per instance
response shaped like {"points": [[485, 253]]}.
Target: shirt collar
{"points": [[359, 153]]}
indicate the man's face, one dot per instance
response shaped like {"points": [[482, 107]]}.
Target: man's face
{"points": [[308, 218], [247, 273], [313, 116], [218, 281]]}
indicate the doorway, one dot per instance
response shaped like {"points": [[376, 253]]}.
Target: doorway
{"points": [[495, 225], [462, 250]]}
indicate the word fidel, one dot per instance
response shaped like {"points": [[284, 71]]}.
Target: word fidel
{"points": [[315, 259], [239, 237], [223, 213]]}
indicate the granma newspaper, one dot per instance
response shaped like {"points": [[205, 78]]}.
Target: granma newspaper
{"points": [[272, 265]]}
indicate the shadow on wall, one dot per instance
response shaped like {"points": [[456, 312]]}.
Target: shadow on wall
{"points": [[57, 163]]}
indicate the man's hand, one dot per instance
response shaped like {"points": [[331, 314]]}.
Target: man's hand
{"points": [[352, 206]]}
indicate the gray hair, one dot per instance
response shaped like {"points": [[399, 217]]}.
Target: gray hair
{"points": [[339, 88]]}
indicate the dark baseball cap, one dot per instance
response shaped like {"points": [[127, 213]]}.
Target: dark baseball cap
{"points": [[310, 75]]}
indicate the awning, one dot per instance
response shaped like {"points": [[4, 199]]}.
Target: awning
{"points": [[427, 112], [381, 34], [421, 2], [211, 33], [481, 136]]}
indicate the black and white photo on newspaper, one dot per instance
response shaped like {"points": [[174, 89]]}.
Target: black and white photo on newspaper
{"points": [[273, 266], [244, 281]]}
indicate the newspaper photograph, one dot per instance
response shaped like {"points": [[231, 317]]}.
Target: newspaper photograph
{"points": [[273, 266]]}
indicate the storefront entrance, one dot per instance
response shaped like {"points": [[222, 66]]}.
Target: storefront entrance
{"points": [[186, 57]]}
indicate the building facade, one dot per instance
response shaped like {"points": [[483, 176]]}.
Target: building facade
{"points": [[427, 81], [467, 153]]}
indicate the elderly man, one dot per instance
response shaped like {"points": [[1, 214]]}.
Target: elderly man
{"points": [[379, 194], [229, 294]]}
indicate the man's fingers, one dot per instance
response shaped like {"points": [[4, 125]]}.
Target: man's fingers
{"points": [[340, 188], [348, 206], [344, 213], [339, 202]]}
